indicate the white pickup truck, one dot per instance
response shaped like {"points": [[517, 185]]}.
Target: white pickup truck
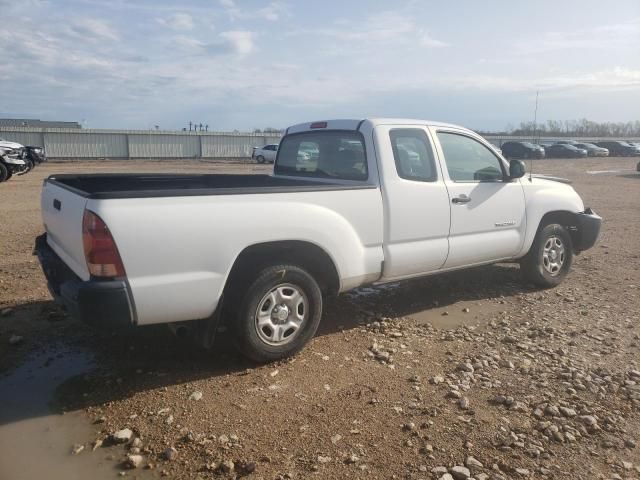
{"points": [[375, 201]]}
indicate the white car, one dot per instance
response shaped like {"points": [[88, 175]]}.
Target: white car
{"points": [[382, 200], [266, 154], [12, 148]]}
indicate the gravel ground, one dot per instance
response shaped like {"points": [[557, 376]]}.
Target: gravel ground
{"points": [[465, 375]]}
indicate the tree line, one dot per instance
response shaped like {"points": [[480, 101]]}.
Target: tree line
{"points": [[577, 128]]}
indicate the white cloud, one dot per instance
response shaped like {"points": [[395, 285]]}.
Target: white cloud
{"points": [[426, 40], [177, 21], [234, 42], [92, 29], [379, 30], [272, 12], [600, 37], [240, 41]]}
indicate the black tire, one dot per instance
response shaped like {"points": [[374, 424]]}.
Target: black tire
{"points": [[4, 173], [250, 341], [539, 264], [260, 159]]}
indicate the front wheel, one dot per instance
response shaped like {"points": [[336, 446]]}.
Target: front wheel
{"points": [[260, 159], [279, 313], [4, 173], [550, 257]]}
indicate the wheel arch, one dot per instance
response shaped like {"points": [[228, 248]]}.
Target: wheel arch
{"points": [[567, 219], [304, 254]]}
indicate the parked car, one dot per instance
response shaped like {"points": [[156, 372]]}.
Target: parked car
{"points": [[592, 150], [564, 150], [522, 150], [565, 142], [35, 154], [619, 148], [10, 164], [17, 148], [263, 251], [265, 154]]}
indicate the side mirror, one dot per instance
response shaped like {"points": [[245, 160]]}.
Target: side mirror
{"points": [[516, 169]]}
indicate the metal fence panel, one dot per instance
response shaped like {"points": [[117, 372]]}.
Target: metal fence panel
{"points": [[85, 145], [164, 146], [230, 146], [32, 139]]}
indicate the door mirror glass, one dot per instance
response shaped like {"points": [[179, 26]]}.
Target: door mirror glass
{"points": [[516, 169]]}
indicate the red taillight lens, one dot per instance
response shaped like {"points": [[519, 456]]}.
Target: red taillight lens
{"points": [[318, 125], [100, 251]]}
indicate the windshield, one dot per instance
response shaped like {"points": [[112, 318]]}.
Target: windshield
{"points": [[325, 154]]}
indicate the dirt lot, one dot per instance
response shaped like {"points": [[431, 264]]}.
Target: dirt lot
{"points": [[401, 382]]}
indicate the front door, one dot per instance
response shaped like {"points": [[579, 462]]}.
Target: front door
{"points": [[487, 208]]}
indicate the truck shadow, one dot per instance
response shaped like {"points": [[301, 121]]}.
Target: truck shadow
{"points": [[74, 367]]}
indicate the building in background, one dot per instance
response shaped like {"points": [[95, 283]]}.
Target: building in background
{"points": [[31, 122]]}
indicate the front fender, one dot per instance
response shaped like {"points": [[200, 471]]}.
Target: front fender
{"points": [[543, 197]]}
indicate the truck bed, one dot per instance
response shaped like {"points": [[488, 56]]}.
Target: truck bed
{"points": [[104, 186]]}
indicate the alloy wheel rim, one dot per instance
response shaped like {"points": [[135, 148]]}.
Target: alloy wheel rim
{"points": [[553, 255]]}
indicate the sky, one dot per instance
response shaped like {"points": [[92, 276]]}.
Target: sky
{"points": [[245, 64]]}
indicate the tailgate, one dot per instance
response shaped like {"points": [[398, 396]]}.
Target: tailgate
{"points": [[62, 212]]}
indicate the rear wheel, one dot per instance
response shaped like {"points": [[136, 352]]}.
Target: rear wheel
{"points": [[279, 313], [550, 257], [260, 159], [4, 173]]}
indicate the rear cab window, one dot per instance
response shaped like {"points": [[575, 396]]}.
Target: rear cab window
{"points": [[332, 154]]}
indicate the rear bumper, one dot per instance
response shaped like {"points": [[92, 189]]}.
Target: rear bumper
{"points": [[589, 224], [103, 303]]}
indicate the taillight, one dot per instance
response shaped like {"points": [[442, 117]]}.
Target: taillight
{"points": [[100, 251]]}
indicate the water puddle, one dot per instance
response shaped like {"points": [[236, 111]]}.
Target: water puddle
{"points": [[456, 315], [34, 443]]}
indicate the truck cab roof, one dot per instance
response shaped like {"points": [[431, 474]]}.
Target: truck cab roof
{"points": [[355, 124]]}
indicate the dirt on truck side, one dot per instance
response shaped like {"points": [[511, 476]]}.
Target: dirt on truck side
{"points": [[472, 374]]}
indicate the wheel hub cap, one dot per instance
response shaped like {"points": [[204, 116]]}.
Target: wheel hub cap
{"points": [[553, 255], [281, 314]]}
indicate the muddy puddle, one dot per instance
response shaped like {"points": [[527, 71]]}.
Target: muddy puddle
{"points": [[36, 443]]}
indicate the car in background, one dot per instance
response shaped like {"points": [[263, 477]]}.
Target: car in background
{"points": [[17, 149], [266, 154], [619, 148], [37, 155], [565, 142], [592, 150], [10, 164], [522, 150], [564, 150]]}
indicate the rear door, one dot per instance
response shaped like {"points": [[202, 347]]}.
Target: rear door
{"points": [[417, 210], [62, 212], [487, 211]]}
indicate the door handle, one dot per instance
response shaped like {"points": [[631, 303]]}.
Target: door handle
{"points": [[461, 199]]}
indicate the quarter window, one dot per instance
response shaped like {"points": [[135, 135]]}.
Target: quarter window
{"points": [[468, 160], [413, 154]]}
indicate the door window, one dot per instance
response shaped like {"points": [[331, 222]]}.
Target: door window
{"points": [[468, 160], [413, 155]]}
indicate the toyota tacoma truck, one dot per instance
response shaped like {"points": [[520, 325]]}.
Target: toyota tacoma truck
{"points": [[382, 200]]}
